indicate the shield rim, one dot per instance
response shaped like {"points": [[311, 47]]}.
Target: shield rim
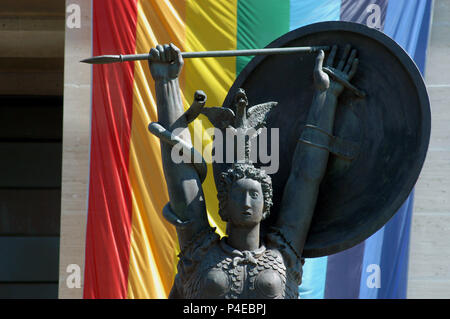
{"points": [[409, 65]]}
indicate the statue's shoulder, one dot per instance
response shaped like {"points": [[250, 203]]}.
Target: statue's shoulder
{"points": [[202, 262], [199, 246]]}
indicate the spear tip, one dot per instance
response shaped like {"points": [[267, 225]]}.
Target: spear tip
{"points": [[103, 59]]}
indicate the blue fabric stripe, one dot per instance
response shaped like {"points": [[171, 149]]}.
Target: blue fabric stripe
{"points": [[407, 22], [313, 281], [422, 41], [304, 12], [403, 22], [394, 256]]}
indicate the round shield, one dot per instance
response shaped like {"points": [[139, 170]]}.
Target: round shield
{"points": [[386, 133]]}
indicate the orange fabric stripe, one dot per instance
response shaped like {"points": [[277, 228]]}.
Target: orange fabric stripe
{"points": [[153, 241]]}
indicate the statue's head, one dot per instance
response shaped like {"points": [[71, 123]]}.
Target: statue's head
{"points": [[245, 195]]}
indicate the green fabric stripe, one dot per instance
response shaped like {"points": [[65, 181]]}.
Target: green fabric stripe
{"points": [[259, 22]]}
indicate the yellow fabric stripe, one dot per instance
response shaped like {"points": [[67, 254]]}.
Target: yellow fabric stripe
{"points": [[153, 241], [210, 25]]}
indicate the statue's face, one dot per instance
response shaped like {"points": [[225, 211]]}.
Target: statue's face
{"points": [[245, 203]]}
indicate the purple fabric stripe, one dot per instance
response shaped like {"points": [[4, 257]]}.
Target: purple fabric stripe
{"points": [[369, 12], [344, 273]]}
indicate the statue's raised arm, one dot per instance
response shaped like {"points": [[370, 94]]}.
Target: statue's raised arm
{"points": [[310, 159], [186, 209]]}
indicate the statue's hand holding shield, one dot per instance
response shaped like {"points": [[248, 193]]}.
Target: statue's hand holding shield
{"points": [[340, 74]]}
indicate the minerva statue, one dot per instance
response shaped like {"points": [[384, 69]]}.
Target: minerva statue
{"points": [[350, 158], [243, 264]]}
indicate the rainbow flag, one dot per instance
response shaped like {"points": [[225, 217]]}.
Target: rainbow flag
{"points": [[131, 251]]}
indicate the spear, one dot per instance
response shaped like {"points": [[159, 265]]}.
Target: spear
{"points": [[104, 59]]}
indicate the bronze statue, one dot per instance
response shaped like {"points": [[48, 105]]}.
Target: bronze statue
{"points": [[315, 204], [242, 264]]}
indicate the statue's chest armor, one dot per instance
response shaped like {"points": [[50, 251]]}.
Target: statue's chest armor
{"points": [[245, 276]]}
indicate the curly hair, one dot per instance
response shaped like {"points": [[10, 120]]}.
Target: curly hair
{"points": [[239, 171]]}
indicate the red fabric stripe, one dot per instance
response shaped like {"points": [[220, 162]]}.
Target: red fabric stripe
{"points": [[110, 209]]}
